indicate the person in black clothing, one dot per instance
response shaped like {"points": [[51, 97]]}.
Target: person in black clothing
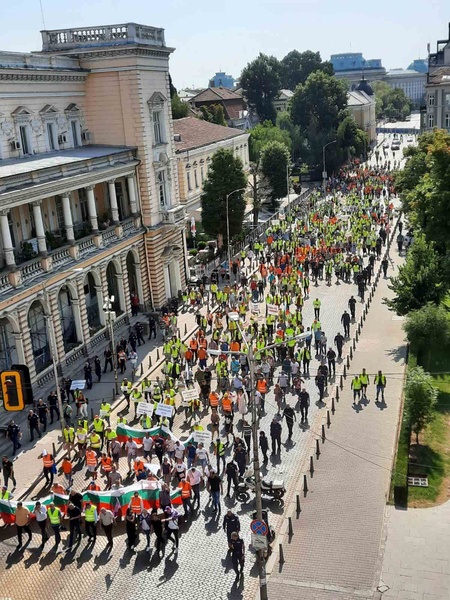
{"points": [[331, 357], [240, 456], [74, 514], [237, 553], [290, 417], [304, 405], [139, 333], [76, 498], [352, 306], [52, 400], [33, 424], [132, 339], [263, 444], [107, 354], [97, 368], [275, 434], [88, 375], [230, 525], [152, 328], [247, 431], [42, 411], [232, 475], [321, 382], [345, 320], [339, 342], [384, 266]]}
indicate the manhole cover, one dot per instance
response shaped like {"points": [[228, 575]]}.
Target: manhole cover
{"points": [[418, 481]]}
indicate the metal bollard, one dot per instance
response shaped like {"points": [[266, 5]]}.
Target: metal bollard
{"points": [[281, 559], [157, 353], [54, 449], [305, 486], [290, 528], [333, 409], [113, 395], [185, 329], [299, 510], [150, 361], [328, 419], [341, 382], [311, 465], [92, 414], [348, 361], [351, 353], [354, 342], [323, 434], [344, 373], [360, 322], [142, 369], [317, 448]]}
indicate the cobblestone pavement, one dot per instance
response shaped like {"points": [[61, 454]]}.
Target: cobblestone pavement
{"points": [[201, 569]]}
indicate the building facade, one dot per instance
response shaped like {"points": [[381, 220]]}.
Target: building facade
{"points": [[352, 65], [221, 79], [89, 200], [233, 104], [361, 105], [436, 110], [411, 82], [281, 102], [196, 141]]}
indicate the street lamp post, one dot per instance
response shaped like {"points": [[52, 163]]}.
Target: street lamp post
{"points": [[228, 228], [288, 186], [110, 316], [324, 174]]}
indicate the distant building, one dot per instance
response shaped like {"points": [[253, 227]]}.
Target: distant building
{"points": [[187, 94], [361, 105], [411, 82], [420, 65], [436, 111], [352, 65], [221, 79], [196, 141], [234, 105], [282, 100]]}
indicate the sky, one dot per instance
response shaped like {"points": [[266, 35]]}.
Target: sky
{"points": [[210, 36]]}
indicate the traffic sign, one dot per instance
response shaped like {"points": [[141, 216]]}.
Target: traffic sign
{"points": [[259, 527], [259, 542]]}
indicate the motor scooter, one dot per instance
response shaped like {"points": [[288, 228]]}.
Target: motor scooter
{"points": [[269, 487]]}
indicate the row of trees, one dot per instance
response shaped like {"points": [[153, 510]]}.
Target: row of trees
{"points": [[391, 103]]}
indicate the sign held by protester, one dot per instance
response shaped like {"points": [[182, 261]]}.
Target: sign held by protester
{"points": [[145, 408], [164, 410], [204, 437]]}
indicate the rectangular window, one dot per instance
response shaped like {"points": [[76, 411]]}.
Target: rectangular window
{"points": [[189, 182], [431, 100], [202, 174], [51, 136], [430, 121], [82, 198], [25, 139], [195, 178], [158, 127], [59, 213], [447, 120], [161, 183], [447, 99], [76, 139], [31, 217]]}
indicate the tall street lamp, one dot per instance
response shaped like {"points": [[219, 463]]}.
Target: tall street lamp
{"points": [[228, 228], [233, 316], [110, 317], [324, 174]]}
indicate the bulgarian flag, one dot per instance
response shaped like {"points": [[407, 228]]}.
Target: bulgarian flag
{"points": [[124, 432], [7, 510]]}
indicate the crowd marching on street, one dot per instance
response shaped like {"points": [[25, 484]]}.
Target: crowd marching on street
{"points": [[329, 242]]}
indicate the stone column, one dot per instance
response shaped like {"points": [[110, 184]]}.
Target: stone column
{"points": [[92, 208], [132, 194], [68, 222], [113, 201], [7, 240], [39, 225]]}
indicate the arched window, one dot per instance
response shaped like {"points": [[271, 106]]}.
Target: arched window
{"points": [[39, 336]]}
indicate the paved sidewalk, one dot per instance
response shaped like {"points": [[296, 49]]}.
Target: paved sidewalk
{"points": [[334, 553], [416, 563]]}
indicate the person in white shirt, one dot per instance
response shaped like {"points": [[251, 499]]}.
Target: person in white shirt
{"points": [[147, 443], [179, 450], [194, 477], [40, 512], [201, 457], [179, 469], [131, 450]]}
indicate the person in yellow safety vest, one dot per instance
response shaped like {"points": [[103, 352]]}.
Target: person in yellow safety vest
{"points": [[4, 494], [126, 387], [91, 462], [122, 420], [219, 452], [157, 393], [90, 521], [198, 426], [164, 422], [176, 370], [54, 515], [69, 439], [81, 435], [380, 382], [364, 378], [145, 422], [110, 435], [105, 411], [146, 388], [356, 386], [316, 325], [316, 305], [136, 397], [99, 427], [96, 442], [84, 424]]}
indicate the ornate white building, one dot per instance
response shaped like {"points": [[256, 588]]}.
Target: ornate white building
{"points": [[89, 201]]}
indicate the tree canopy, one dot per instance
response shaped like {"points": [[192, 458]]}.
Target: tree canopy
{"points": [[427, 327], [261, 83], [297, 66], [351, 138], [421, 398], [264, 133], [213, 113], [274, 163], [179, 109], [225, 175], [391, 103]]}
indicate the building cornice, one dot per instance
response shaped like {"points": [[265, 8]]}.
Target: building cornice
{"points": [[96, 54], [34, 76], [63, 185]]}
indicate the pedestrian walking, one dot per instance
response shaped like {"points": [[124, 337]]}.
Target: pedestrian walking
{"points": [[54, 514], [215, 488], [173, 528], [53, 407], [237, 554], [232, 476], [194, 477], [131, 528], [157, 527], [304, 405], [264, 444], [33, 424], [345, 320], [22, 520], [42, 411], [380, 382], [14, 434], [290, 417], [107, 521], [48, 466], [8, 472], [74, 516], [231, 524], [356, 386], [146, 526], [331, 358], [40, 514], [90, 521], [275, 434]]}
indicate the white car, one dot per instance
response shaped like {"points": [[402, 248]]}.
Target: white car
{"points": [[409, 140], [385, 145], [395, 145]]}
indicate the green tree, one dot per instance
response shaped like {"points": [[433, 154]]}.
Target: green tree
{"points": [[351, 138], [419, 279], [297, 141], [261, 83], [173, 89], [179, 109], [421, 398], [427, 328], [213, 113], [225, 175], [390, 102], [297, 66], [264, 133], [274, 163], [260, 188]]}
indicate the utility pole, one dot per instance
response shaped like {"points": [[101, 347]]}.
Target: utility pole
{"points": [[110, 317]]}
